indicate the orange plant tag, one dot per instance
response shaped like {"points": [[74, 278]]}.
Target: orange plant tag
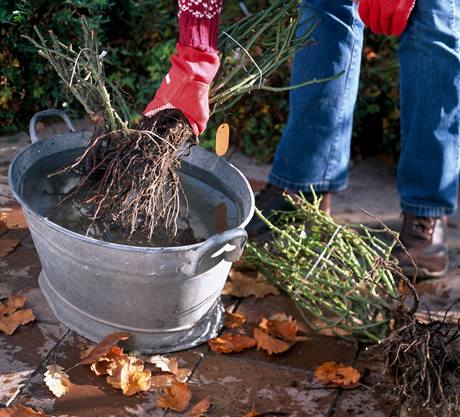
{"points": [[222, 139]]}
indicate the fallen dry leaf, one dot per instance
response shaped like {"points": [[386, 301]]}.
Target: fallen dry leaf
{"points": [[337, 374], [281, 326], [170, 365], [104, 364], [162, 381], [14, 303], [21, 411], [176, 397], [200, 408], [268, 343], [234, 320], [241, 285], [10, 322], [228, 343], [104, 346], [129, 375], [164, 363], [57, 380], [13, 217], [251, 413], [8, 245]]}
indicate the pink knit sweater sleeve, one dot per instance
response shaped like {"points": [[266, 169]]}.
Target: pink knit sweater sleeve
{"points": [[199, 23]]}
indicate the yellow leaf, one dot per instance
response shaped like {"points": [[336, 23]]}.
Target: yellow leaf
{"points": [[337, 374], [200, 408], [241, 285], [228, 343], [57, 380], [176, 397], [268, 343], [129, 375], [234, 320]]}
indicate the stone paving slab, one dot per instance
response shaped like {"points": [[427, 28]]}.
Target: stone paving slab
{"points": [[236, 386], [22, 353], [375, 397]]}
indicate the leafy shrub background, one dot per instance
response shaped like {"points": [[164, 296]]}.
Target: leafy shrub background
{"points": [[139, 36]]}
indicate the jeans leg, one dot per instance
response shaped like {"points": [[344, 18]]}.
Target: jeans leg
{"points": [[429, 54], [315, 145]]}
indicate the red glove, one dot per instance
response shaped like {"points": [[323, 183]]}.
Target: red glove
{"points": [[186, 86], [386, 16]]}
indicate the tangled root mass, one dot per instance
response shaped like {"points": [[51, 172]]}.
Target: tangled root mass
{"points": [[129, 177]]}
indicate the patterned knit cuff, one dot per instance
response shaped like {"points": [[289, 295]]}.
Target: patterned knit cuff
{"points": [[199, 23]]}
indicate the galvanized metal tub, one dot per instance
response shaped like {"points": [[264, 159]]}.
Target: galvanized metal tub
{"points": [[167, 298]]}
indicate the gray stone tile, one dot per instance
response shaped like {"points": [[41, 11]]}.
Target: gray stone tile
{"points": [[22, 353], [375, 397], [235, 386]]}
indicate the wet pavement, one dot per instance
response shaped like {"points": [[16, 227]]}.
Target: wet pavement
{"points": [[236, 383]]}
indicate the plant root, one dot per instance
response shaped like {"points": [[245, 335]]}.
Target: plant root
{"points": [[129, 177], [424, 361]]}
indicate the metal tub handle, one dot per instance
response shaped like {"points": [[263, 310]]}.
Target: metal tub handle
{"points": [[48, 113], [235, 237]]}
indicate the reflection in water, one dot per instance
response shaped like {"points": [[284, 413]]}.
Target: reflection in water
{"points": [[204, 210]]}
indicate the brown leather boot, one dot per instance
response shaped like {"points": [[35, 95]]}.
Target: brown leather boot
{"points": [[425, 238], [271, 199]]}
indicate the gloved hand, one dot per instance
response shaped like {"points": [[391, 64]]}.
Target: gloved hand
{"points": [[386, 16], [186, 86]]}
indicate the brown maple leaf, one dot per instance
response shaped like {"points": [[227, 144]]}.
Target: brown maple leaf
{"points": [[234, 320], [103, 347], [14, 302], [176, 397], [337, 374], [10, 322], [281, 326], [21, 411], [104, 364], [200, 408], [228, 343], [268, 343], [129, 375], [241, 285], [57, 380]]}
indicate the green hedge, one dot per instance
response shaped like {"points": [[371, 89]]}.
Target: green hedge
{"points": [[139, 36]]}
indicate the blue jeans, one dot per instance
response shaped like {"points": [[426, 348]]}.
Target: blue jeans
{"points": [[315, 145]]}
